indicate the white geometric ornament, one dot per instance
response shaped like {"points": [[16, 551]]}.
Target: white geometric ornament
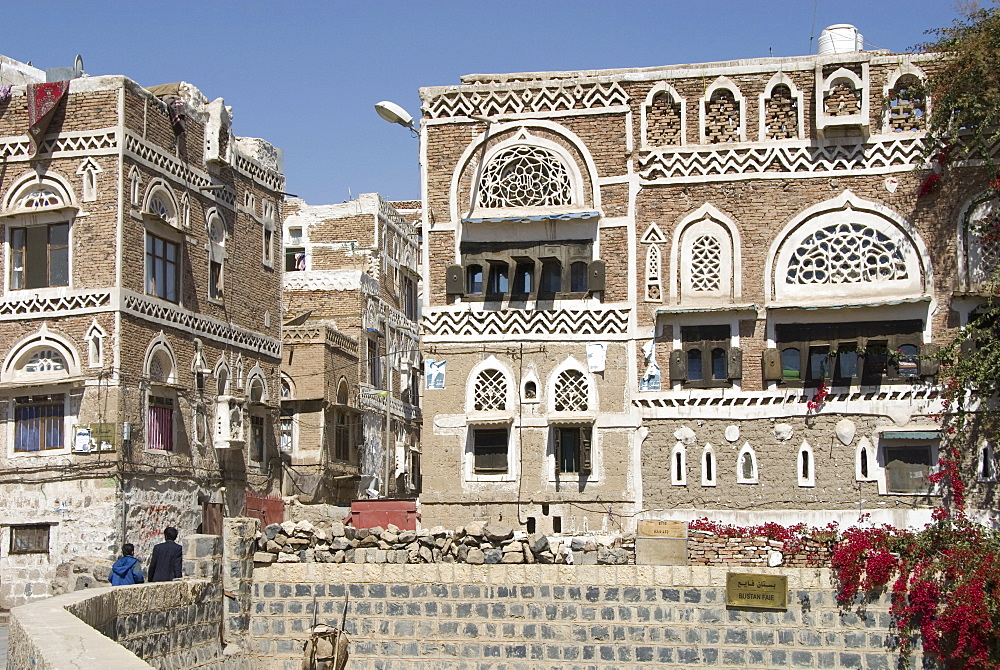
{"points": [[732, 433], [685, 435], [783, 432], [652, 235], [845, 430]]}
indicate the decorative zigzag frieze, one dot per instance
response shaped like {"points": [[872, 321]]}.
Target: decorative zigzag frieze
{"points": [[54, 305], [200, 324], [748, 399], [16, 148], [525, 97], [269, 178], [527, 322], [177, 168], [164, 161], [680, 164], [319, 333]]}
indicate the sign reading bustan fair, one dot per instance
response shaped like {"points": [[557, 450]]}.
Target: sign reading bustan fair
{"points": [[762, 591]]}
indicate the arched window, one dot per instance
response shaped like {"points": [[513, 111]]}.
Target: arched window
{"points": [[571, 392], [257, 390], [705, 259], [843, 98], [864, 461], [678, 465], [806, 466], [490, 392], [986, 469], [525, 176], [708, 466], [781, 114], [746, 465], [907, 108], [95, 345], [979, 230], [722, 115], [847, 248], [160, 204], [663, 118], [654, 290], [216, 254]]}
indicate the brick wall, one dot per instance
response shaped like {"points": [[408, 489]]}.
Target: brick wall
{"points": [[602, 617]]}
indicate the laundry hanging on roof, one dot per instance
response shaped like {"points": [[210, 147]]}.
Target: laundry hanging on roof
{"points": [[5, 92], [178, 115], [43, 99]]}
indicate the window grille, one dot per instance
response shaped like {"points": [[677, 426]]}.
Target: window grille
{"points": [[39, 422], [490, 391], [846, 253], [45, 360], [525, 176], [706, 264], [571, 392], [41, 197]]}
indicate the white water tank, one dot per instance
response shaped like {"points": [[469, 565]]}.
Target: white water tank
{"points": [[839, 39]]}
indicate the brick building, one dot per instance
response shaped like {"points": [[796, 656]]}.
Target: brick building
{"points": [[637, 281], [140, 310], [352, 361]]}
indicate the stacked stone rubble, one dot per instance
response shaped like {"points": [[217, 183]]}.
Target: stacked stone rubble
{"points": [[475, 543]]}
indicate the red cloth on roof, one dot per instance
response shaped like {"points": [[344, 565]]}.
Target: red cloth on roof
{"points": [[42, 102]]}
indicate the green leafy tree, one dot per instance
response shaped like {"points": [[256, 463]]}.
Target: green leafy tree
{"points": [[965, 88]]}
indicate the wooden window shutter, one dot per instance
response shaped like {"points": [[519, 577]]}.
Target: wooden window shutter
{"points": [[678, 365], [455, 280], [735, 363], [771, 364]]}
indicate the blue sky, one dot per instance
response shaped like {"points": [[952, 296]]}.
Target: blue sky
{"points": [[305, 75]]}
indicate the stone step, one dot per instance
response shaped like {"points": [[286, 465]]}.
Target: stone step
{"points": [[4, 617]]}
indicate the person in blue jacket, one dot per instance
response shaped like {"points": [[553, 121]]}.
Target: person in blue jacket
{"points": [[126, 569]]}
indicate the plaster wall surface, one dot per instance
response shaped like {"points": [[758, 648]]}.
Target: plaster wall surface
{"points": [[84, 523]]}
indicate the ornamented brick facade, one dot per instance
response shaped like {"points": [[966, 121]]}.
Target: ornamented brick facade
{"points": [[140, 326], [637, 282], [352, 361]]}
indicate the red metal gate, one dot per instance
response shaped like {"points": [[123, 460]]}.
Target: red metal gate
{"points": [[268, 508]]}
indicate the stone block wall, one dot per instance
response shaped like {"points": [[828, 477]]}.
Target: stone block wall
{"points": [[162, 625], [530, 616]]}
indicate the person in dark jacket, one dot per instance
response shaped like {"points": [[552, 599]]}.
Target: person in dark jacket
{"points": [[165, 563], [126, 569]]}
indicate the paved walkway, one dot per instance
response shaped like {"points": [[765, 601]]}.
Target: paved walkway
{"points": [[3, 646]]}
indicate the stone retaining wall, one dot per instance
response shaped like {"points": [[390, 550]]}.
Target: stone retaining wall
{"points": [[163, 625], [549, 616]]}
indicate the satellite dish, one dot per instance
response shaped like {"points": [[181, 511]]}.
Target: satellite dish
{"points": [[393, 113], [299, 320]]}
